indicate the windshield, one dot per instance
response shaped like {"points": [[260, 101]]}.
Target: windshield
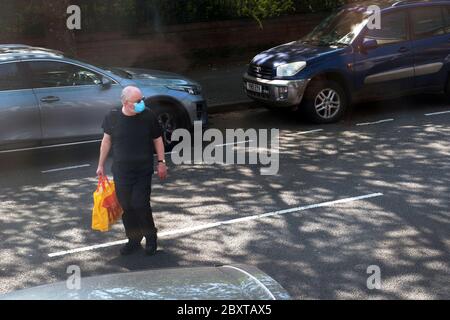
{"points": [[340, 28], [119, 72]]}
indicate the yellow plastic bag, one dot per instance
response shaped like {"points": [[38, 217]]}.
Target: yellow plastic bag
{"points": [[106, 210]]}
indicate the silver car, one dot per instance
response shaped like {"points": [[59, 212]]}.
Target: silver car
{"points": [[232, 282], [49, 99]]}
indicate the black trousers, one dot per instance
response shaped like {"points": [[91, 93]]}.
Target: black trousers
{"points": [[133, 188]]}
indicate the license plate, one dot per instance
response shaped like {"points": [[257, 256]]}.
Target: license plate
{"points": [[254, 87]]}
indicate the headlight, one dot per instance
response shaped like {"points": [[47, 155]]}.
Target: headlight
{"points": [[194, 90], [290, 69]]}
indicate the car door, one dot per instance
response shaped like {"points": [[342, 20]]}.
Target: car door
{"points": [[72, 99], [388, 68], [431, 45], [19, 113]]}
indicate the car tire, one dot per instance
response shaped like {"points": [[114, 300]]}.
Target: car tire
{"points": [[170, 118], [447, 88], [325, 101]]}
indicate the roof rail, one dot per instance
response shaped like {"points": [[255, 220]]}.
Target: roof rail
{"points": [[405, 2], [15, 45]]}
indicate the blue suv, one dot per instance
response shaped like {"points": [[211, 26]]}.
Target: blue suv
{"points": [[348, 58]]}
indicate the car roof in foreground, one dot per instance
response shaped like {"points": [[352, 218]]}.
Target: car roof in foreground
{"points": [[386, 4], [13, 52], [233, 282]]}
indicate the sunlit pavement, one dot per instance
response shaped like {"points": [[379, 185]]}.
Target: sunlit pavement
{"points": [[398, 150]]}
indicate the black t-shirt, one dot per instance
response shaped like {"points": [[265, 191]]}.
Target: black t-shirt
{"points": [[132, 136]]}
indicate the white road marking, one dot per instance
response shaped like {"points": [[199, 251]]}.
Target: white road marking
{"points": [[311, 131], [436, 113], [66, 168], [219, 145], [221, 223], [90, 248], [52, 146], [233, 143], [376, 122]]}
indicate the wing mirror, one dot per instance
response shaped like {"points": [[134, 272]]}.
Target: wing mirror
{"points": [[369, 44], [106, 83]]}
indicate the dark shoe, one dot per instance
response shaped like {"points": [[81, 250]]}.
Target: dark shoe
{"points": [[129, 248], [151, 245]]}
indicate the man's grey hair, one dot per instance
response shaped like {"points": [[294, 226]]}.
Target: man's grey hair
{"points": [[127, 92]]}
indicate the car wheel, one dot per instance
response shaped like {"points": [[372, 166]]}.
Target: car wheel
{"points": [[170, 118], [325, 102]]}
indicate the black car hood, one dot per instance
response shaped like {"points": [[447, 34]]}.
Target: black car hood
{"points": [[293, 52]]}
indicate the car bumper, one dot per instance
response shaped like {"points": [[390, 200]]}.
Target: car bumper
{"points": [[197, 109], [282, 93]]}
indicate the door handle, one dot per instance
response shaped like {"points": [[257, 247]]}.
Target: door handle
{"points": [[50, 99], [403, 49]]}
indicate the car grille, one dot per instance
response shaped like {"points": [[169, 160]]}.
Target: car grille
{"points": [[264, 95], [260, 71]]}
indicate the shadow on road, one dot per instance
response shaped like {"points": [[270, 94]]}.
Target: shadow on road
{"points": [[319, 253]]}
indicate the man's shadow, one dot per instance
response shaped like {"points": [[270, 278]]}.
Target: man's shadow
{"points": [[140, 261]]}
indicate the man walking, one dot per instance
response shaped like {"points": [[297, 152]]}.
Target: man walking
{"points": [[133, 133]]}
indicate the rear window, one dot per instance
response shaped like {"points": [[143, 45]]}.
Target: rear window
{"points": [[10, 77], [427, 22]]}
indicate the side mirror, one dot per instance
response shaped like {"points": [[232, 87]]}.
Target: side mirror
{"points": [[106, 83], [369, 44]]}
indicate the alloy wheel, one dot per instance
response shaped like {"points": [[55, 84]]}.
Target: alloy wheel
{"points": [[327, 103]]}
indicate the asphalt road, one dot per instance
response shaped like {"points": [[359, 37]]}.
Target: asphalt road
{"points": [[389, 153]]}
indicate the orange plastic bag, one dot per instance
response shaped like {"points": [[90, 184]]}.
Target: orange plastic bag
{"points": [[106, 210]]}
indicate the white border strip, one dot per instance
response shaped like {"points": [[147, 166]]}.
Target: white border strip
{"points": [[220, 223], [254, 279], [66, 168], [376, 122], [436, 113]]}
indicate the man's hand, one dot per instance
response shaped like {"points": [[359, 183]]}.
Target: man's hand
{"points": [[159, 148], [104, 151], [162, 171], [100, 171]]}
